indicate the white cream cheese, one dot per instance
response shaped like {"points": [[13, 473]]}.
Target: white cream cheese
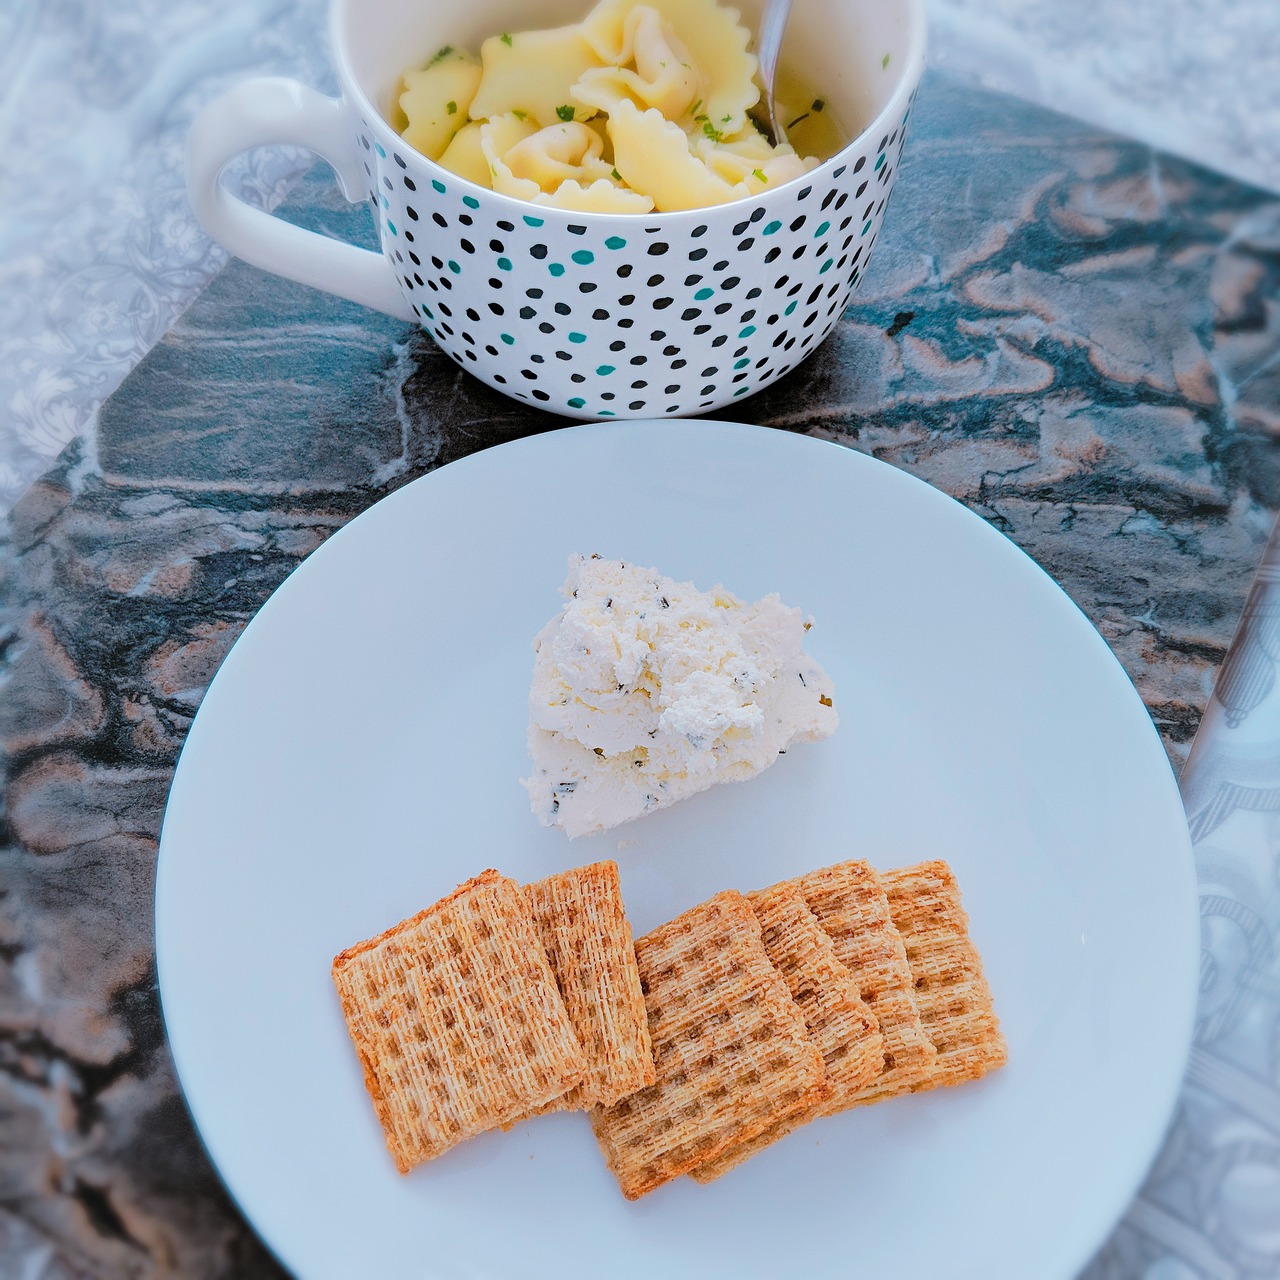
{"points": [[646, 691]]}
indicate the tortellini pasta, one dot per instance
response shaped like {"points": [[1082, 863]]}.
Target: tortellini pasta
{"points": [[640, 106], [560, 165], [660, 73], [531, 73], [437, 99], [717, 46]]}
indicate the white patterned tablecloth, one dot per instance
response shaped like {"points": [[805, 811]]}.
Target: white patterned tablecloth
{"points": [[99, 249], [1210, 1209]]}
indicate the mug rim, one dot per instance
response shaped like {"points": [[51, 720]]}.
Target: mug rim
{"points": [[908, 78]]}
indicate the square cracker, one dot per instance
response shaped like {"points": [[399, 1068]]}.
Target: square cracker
{"points": [[587, 937], [457, 1020], [951, 990], [851, 905], [840, 1024], [731, 1050]]}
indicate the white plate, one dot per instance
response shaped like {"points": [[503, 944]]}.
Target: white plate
{"points": [[358, 756]]}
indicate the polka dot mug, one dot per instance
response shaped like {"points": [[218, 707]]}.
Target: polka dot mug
{"points": [[590, 315]]}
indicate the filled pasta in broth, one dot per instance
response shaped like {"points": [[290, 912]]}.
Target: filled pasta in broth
{"points": [[640, 106]]}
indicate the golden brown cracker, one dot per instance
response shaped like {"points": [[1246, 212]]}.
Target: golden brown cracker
{"points": [[950, 988], [587, 938], [731, 1051], [839, 1023], [457, 1020], [853, 908]]}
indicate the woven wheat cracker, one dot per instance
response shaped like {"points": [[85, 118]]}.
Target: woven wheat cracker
{"points": [[840, 1024], [731, 1051], [852, 907], [457, 1020], [587, 938], [951, 991]]}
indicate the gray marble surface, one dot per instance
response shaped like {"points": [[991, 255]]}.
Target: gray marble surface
{"points": [[1084, 352], [99, 252]]}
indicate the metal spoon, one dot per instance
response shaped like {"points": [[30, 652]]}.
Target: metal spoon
{"points": [[772, 26]]}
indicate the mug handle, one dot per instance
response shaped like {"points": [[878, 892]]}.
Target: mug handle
{"points": [[273, 110]]}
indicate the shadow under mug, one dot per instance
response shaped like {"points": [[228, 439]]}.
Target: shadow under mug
{"points": [[589, 315]]}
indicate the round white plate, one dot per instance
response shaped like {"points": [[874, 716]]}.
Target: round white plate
{"points": [[358, 756]]}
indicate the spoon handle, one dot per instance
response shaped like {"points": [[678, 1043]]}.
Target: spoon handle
{"points": [[772, 27]]}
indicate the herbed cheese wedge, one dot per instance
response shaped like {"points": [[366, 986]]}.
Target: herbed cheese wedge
{"points": [[647, 690]]}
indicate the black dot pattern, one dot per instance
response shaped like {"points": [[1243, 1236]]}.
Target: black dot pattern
{"points": [[728, 301]]}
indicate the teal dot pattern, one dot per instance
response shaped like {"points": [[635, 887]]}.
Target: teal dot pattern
{"points": [[647, 315]]}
